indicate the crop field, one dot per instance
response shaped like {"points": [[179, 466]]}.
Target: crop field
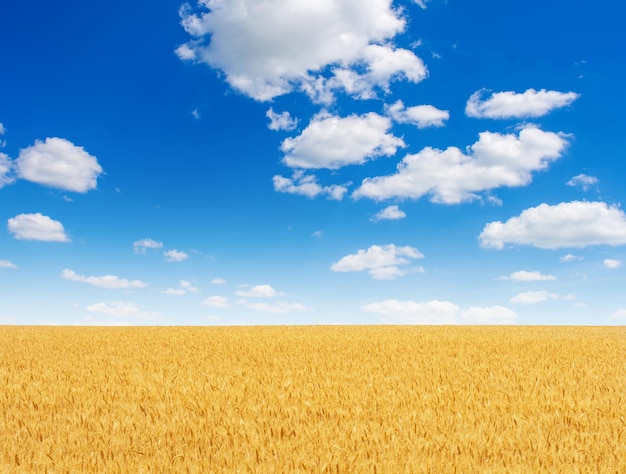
{"points": [[337, 399]]}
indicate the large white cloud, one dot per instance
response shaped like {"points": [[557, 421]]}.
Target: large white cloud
{"points": [[531, 103], [568, 224], [58, 163], [105, 281], [332, 142], [383, 262], [307, 185], [37, 227], [451, 176], [268, 48], [421, 116]]}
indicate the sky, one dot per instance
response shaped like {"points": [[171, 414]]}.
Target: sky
{"points": [[252, 162]]}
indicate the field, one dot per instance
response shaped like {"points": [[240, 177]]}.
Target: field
{"points": [[386, 399]]}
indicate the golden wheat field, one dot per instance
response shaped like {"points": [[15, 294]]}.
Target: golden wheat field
{"points": [[386, 399]]}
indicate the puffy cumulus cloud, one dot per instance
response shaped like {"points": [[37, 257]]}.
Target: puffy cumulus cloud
{"points": [[277, 307], [489, 315], [451, 176], [6, 170], [58, 163], [612, 263], [257, 291], [583, 180], [568, 224], [266, 50], [569, 258], [140, 246], [37, 227], [105, 281], [175, 256], [524, 275], [184, 287], [332, 142], [421, 116], [411, 312], [382, 262], [122, 309], [217, 302], [280, 121], [532, 297], [7, 264], [531, 103], [389, 213], [307, 185]]}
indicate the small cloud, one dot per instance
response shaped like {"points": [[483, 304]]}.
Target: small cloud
{"points": [[306, 185], [490, 315], [412, 312], [140, 246], [318, 233], [421, 116], [523, 275], [195, 113], [258, 291], [619, 315], [280, 121], [584, 181], [122, 309], [278, 307], [382, 262], [184, 288], [389, 213], [218, 281], [532, 297], [37, 227], [569, 258], [6, 263], [216, 302], [105, 281], [175, 291], [612, 263], [175, 256], [509, 104], [188, 286]]}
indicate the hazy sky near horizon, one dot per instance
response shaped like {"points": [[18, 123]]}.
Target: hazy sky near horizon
{"points": [[300, 162]]}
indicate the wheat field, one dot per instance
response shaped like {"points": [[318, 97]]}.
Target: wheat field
{"points": [[337, 399]]}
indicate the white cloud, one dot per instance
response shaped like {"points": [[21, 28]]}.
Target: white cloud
{"points": [[421, 3], [612, 263], [333, 142], [421, 116], [317, 233], [451, 176], [258, 291], [266, 50], [175, 256], [58, 163], [217, 302], [382, 262], [583, 180], [122, 309], [105, 281], [530, 103], [140, 246], [6, 168], [524, 275], [278, 307], [532, 297], [619, 315], [389, 213], [306, 185], [568, 224], [569, 258], [411, 312], [489, 315], [184, 288], [218, 281], [280, 121], [6, 263], [37, 227]]}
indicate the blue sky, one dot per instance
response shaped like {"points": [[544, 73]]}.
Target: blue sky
{"points": [[298, 162]]}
